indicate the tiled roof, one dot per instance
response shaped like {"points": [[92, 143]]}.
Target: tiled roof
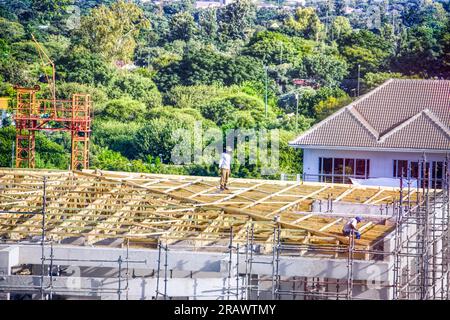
{"points": [[400, 114]]}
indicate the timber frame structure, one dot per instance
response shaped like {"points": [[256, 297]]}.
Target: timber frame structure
{"points": [[145, 209], [260, 223]]}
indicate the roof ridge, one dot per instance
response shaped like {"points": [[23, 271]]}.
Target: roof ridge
{"points": [[351, 105], [360, 118], [427, 112], [430, 114]]}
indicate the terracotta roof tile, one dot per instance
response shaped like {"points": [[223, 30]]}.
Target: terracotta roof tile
{"points": [[410, 114]]}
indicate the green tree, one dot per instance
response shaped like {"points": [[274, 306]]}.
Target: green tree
{"points": [[421, 52], [80, 65], [327, 70], [136, 86], [329, 106], [306, 23], [277, 48], [341, 27], [124, 109], [112, 31], [11, 31], [117, 135], [373, 80], [183, 26], [47, 10], [208, 24], [237, 19], [367, 49]]}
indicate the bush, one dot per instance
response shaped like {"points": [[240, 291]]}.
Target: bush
{"points": [[124, 109], [137, 87]]}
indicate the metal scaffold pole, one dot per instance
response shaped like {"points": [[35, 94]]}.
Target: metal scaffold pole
{"points": [[158, 271], [421, 237], [44, 208], [351, 248]]}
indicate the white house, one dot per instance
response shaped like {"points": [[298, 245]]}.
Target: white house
{"points": [[401, 128]]}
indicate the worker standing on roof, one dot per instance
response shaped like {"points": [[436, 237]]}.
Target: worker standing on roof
{"points": [[351, 226], [225, 168]]}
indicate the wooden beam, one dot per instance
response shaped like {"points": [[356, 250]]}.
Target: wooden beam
{"points": [[343, 194], [298, 201], [271, 196], [330, 224], [233, 195], [183, 186], [303, 218], [374, 196]]}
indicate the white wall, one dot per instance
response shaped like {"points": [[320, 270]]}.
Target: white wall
{"points": [[381, 162]]}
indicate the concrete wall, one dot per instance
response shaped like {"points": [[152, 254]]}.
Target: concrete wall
{"points": [[138, 288], [96, 268], [381, 162], [201, 262], [350, 208]]}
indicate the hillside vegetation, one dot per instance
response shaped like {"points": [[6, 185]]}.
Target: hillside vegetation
{"points": [[151, 72]]}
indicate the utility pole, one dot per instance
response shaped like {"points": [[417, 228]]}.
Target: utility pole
{"points": [[296, 111], [265, 96], [359, 77]]}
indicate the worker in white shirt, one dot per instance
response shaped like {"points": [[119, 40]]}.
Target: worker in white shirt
{"points": [[225, 167], [350, 226]]}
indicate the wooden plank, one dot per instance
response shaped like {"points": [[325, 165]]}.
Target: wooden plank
{"points": [[183, 186], [343, 194], [271, 196], [233, 195], [298, 200], [382, 199], [373, 197], [330, 224], [303, 218]]}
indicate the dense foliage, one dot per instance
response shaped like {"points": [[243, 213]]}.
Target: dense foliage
{"points": [[152, 70]]}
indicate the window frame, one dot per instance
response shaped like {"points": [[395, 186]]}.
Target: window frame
{"points": [[335, 176]]}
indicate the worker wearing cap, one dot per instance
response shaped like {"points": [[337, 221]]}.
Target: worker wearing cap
{"points": [[350, 226], [225, 168]]}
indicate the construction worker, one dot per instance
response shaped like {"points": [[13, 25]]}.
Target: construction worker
{"points": [[351, 226], [225, 168]]}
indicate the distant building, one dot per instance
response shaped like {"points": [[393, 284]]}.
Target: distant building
{"points": [[208, 4], [401, 128]]}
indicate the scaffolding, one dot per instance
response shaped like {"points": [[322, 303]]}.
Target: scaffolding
{"points": [[421, 241], [32, 115], [142, 208], [50, 265]]}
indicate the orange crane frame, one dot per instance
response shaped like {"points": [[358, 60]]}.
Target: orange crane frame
{"points": [[32, 114]]}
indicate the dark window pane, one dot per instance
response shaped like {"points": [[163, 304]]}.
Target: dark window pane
{"points": [[349, 167], [414, 170], [395, 168], [327, 166], [438, 170], [360, 168], [402, 168], [338, 166], [368, 169]]}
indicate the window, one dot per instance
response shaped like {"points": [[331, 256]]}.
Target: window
{"points": [[326, 169], [437, 174], [400, 168], [340, 170], [430, 173]]}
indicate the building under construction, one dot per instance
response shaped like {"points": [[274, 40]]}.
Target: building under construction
{"points": [[112, 235]]}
